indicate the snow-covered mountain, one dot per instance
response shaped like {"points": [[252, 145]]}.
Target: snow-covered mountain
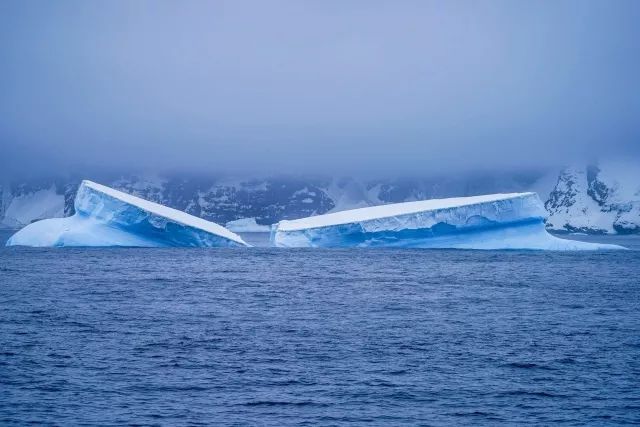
{"points": [[592, 199], [596, 199], [23, 203]]}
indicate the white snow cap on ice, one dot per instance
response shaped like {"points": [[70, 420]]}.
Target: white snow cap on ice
{"points": [[174, 215], [392, 210]]}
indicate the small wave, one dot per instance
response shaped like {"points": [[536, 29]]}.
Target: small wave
{"points": [[58, 356], [481, 414], [521, 365], [525, 365], [170, 388], [531, 393], [398, 372], [284, 403], [286, 383]]}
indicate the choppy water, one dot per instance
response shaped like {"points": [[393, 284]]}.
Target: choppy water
{"points": [[319, 337]]}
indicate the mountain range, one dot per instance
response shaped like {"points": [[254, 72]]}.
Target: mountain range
{"points": [[597, 198]]}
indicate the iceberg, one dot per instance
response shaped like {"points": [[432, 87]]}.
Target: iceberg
{"points": [[108, 217], [495, 221]]}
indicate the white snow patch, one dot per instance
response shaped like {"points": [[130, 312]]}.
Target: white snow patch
{"points": [[247, 225], [544, 185], [25, 209], [303, 192], [351, 194], [623, 178]]}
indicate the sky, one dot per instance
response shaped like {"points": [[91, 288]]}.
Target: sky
{"points": [[389, 87]]}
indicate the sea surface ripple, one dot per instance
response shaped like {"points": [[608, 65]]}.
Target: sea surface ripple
{"points": [[318, 337]]}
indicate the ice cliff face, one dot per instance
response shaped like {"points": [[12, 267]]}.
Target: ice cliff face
{"points": [[107, 217], [586, 199]]}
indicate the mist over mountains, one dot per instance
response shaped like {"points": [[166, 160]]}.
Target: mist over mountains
{"points": [[589, 198], [254, 88]]}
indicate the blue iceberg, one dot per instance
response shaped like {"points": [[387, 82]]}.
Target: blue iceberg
{"points": [[496, 221], [107, 217]]}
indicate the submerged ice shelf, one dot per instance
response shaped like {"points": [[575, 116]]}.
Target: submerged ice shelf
{"points": [[496, 221], [108, 217]]}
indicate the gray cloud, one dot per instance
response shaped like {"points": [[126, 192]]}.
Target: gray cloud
{"points": [[289, 86]]}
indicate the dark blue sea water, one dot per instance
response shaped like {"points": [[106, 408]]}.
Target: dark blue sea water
{"points": [[319, 337]]}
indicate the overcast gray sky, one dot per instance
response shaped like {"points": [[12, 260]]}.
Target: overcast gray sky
{"points": [[316, 86]]}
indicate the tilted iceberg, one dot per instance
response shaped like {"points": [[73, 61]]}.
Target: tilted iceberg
{"points": [[108, 217], [496, 221]]}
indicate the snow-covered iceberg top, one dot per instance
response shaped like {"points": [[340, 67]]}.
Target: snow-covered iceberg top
{"points": [[413, 212], [108, 217], [496, 221]]}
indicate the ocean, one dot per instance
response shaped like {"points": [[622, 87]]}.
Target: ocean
{"points": [[277, 337]]}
